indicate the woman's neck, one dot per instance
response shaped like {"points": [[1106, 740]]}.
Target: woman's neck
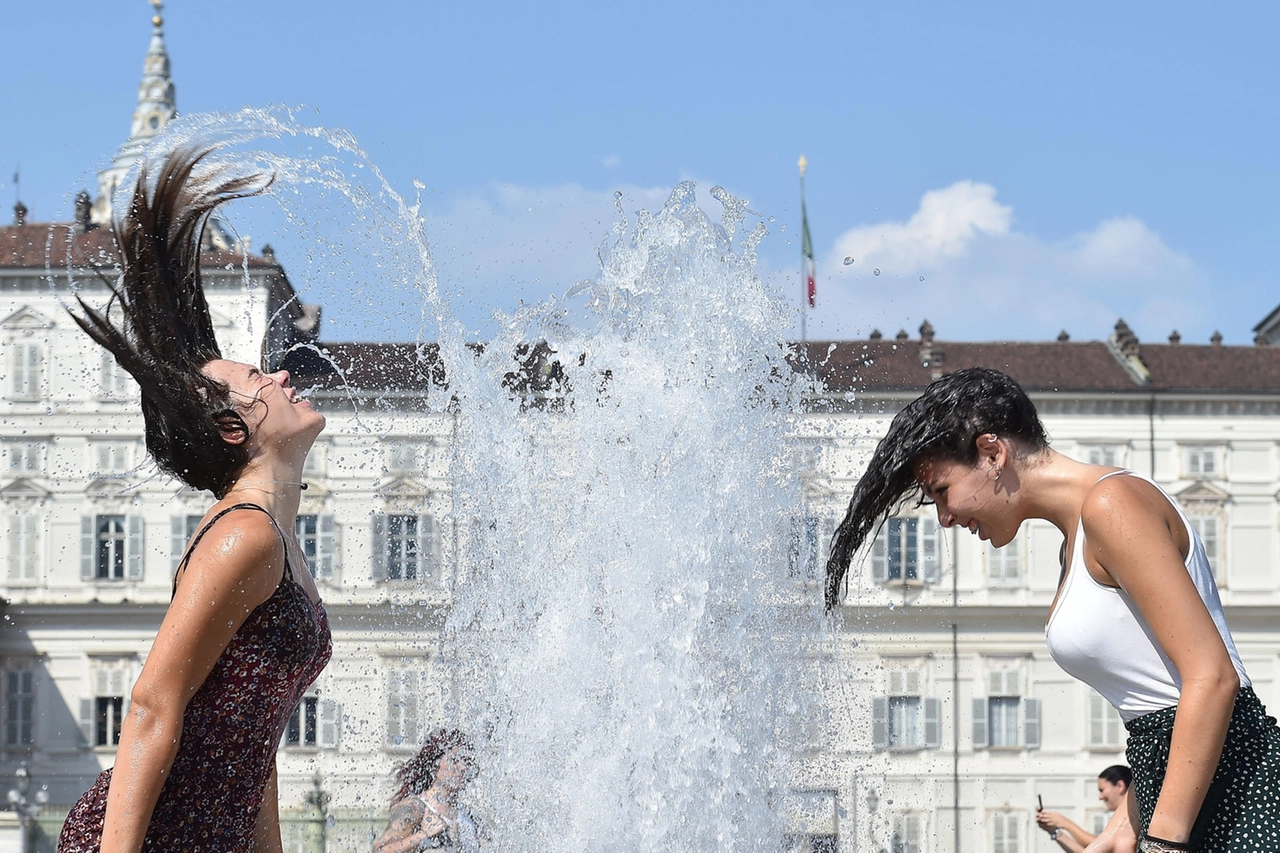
{"points": [[276, 487], [1054, 488]]}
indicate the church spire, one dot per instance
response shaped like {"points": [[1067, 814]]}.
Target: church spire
{"points": [[156, 107]]}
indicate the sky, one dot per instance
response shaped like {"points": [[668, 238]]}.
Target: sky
{"points": [[1004, 170]]}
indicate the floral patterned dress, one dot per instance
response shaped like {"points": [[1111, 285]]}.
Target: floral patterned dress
{"points": [[230, 731]]}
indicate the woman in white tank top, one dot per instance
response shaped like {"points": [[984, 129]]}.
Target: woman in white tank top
{"points": [[1137, 614]]}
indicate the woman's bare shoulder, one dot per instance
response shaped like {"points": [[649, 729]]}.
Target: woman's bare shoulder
{"points": [[239, 547]]}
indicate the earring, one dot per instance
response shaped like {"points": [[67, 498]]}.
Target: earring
{"points": [[998, 472]]}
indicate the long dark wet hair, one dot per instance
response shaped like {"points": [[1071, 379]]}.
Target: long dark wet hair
{"points": [[165, 333], [419, 773], [942, 423]]}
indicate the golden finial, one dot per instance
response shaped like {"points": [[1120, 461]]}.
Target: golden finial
{"points": [[156, 20], [804, 164]]}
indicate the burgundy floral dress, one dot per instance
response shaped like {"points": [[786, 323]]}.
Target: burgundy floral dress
{"points": [[230, 731]]}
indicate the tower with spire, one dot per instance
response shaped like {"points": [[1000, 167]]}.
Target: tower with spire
{"points": [[156, 107]]}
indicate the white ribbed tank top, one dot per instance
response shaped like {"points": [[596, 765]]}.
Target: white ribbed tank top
{"points": [[1097, 634]]}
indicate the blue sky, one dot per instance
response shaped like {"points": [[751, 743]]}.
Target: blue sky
{"points": [[1011, 169]]}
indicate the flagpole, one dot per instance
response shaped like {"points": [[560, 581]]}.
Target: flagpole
{"points": [[804, 270]]}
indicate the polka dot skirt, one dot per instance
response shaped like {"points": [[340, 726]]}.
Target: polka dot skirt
{"points": [[1241, 813]]}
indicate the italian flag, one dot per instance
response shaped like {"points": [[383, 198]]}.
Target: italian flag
{"points": [[806, 249]]}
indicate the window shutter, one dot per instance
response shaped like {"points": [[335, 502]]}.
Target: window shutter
{"points": [[87, 549], [177, 541], [327, 548], [880, 555], [134, 549], [930, 552], [428, 549], [379, 546], [879, 723], [932, 723], [330, 723], [1031, 722], [87, 723], [979, 723]]}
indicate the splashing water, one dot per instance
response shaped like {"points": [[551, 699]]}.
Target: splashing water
{"points": [[617, 632], [622, 636]]}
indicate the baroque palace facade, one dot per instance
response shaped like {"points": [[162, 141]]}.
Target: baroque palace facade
{"points": [[944, 718]]}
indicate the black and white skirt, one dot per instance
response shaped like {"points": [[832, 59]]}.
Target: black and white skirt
{"points": [[1241, 812]]}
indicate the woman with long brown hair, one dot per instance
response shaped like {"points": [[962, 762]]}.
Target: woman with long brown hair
{"points": [[1137, 615], [245, 633], [425, 814]]}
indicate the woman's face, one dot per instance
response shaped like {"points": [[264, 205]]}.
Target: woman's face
{"points": [[454, 769], [1112, 793], [269, 404], [970, 496]]}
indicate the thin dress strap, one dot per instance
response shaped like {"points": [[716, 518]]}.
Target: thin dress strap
{"points": [[203, 530]]}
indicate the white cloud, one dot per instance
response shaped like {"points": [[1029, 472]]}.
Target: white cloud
{"points": [[959, 262], [613, 161]]}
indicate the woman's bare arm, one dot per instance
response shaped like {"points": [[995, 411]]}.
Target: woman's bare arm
{"points": [[1119, 836], [266, 829], [236, 567], [1128, 530], [404, 830]]}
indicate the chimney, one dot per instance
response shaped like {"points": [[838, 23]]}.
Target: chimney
{"points": [[268, 252], [1063, 337], [876, 335], [19, 214], [1175, 338], [83, 206], [926, 333], [1216, 339]]}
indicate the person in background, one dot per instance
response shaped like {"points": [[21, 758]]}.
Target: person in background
{"points": [[1113, 788], [425, 814]]}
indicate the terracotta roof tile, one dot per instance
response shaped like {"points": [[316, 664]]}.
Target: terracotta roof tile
{"points": [[35, 244]]}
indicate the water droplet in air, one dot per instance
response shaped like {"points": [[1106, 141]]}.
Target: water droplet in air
{"points": [[848, 261], [877, 271], [922, 278], [617, 194]]}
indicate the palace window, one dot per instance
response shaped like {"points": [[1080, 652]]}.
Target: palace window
{"points": [[906, 550], [1006, 718], [1201, 461], [1004, 565], [1104, 454], [111, 547], [24, 458], [26, 369], [102, 714], [904, 719], [317, 535], [1106, 730], [406, 547], [404, 715], [19, 705], [24, 546], [1006, 832]]}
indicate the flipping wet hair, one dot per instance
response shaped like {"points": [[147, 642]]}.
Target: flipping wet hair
{"points": [[942, 423], [164, 335]]}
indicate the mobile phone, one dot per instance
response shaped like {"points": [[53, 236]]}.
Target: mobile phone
{"points": [[1040, 800]]}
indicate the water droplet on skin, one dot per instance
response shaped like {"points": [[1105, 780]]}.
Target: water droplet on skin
{"points": [[877, 271], [848, 261]]}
